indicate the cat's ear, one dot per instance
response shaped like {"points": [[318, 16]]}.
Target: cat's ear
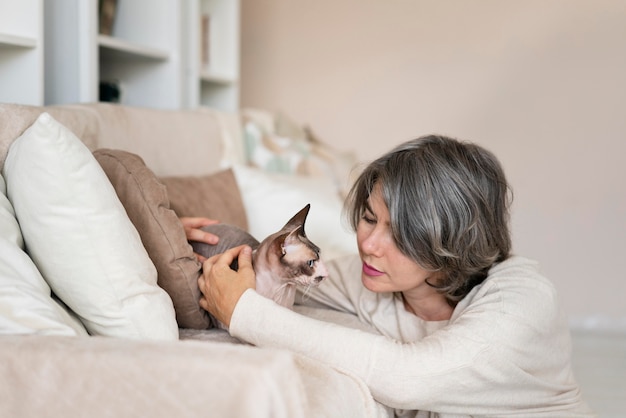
{"points": [[294, 229], [297, 221]]}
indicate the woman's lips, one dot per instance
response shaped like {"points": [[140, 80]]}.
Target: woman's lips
{"points": [[371, 271]]}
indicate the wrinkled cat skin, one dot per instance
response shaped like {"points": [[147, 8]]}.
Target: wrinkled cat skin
{"points": [[282, 261]]}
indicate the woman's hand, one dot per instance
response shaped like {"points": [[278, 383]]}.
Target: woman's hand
{"points": [[194, 233], [221, 286]]}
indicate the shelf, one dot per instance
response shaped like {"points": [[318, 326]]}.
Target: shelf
{"points": [[208, 76], [111, 47], [13, 41], [212, 76], [21, 52]]}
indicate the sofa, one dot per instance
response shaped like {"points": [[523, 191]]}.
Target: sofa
{"points": [[98, 286]]}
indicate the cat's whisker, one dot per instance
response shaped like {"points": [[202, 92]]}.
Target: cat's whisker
{"points": [[305, 293], [280, 290]]}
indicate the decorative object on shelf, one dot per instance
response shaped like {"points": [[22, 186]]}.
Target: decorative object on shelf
{"points": [[205, 40], [110, 91], [106, 16]]}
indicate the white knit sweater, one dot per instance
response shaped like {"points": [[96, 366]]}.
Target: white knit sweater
{"points": [[504, 352]]}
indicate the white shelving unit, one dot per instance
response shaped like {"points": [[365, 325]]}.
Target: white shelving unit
{"points": [[21, 52], [152, 53], [214, 83], [142, 55]]}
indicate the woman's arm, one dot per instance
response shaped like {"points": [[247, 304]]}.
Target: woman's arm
{"points": [[399, 375], [414, 376], [484, 364], [490, 359]]}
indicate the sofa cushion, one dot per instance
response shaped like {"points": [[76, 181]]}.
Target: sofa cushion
{"points": [[216, 196], [190, 142], [26, 303], [171, 142], [78, 234], [276, 143], [147, 205]]}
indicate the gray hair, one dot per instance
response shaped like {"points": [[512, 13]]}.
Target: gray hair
{"points": [[448, 203]]}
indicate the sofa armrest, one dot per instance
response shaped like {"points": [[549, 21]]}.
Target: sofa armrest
{"points": [[99, 376], [110, 377]]}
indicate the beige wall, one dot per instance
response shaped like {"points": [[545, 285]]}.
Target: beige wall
{"points": [[542, 83]]}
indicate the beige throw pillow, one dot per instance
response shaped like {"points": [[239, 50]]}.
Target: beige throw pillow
{"points": [[216, 196], [147, 205]]}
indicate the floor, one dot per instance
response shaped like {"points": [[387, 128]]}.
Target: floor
{"points": [[600, 367]]}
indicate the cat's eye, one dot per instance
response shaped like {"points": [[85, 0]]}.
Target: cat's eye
{"points": [[311, 263]]}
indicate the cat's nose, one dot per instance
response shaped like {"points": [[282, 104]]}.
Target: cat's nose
{"points": [[319, 279]]}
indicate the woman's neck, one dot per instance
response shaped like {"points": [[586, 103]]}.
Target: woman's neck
{"points": [[432, 308]]}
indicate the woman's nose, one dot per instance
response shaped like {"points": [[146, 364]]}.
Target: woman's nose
{"points": [[372, 244]]}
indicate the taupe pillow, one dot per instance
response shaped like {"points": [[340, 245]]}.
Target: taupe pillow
{"points": [[162, 234], [215, 196]]}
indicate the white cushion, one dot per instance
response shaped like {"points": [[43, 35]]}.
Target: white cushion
{"points": [[271, 199], [80, 238], [26, 305]]}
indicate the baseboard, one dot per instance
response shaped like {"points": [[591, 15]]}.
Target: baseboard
{"points": [[598, 323]]}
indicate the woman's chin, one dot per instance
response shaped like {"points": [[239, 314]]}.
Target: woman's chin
{"points": [[370, 283]]}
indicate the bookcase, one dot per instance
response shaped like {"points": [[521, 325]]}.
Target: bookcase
{"points": [[151, 54], [21, 52], [213, 33]]}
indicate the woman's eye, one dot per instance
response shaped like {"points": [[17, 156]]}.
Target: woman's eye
{"points": [[369, 219], [311, 263]]}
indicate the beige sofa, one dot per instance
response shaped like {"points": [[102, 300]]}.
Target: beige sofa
{"points": [[59, 354]]}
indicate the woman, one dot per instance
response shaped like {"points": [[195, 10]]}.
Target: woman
{"points": [[462, 326]]}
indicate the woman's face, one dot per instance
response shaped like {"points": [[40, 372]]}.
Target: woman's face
{"points": [[385, 267]]}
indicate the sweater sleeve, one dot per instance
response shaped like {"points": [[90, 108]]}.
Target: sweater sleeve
{"points": [[489, 360], [405, 376]]}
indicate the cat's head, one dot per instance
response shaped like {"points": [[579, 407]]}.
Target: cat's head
{"points": [[291, 256]]}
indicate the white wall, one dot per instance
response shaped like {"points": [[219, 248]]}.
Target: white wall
{"points": [[542, 83]]}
